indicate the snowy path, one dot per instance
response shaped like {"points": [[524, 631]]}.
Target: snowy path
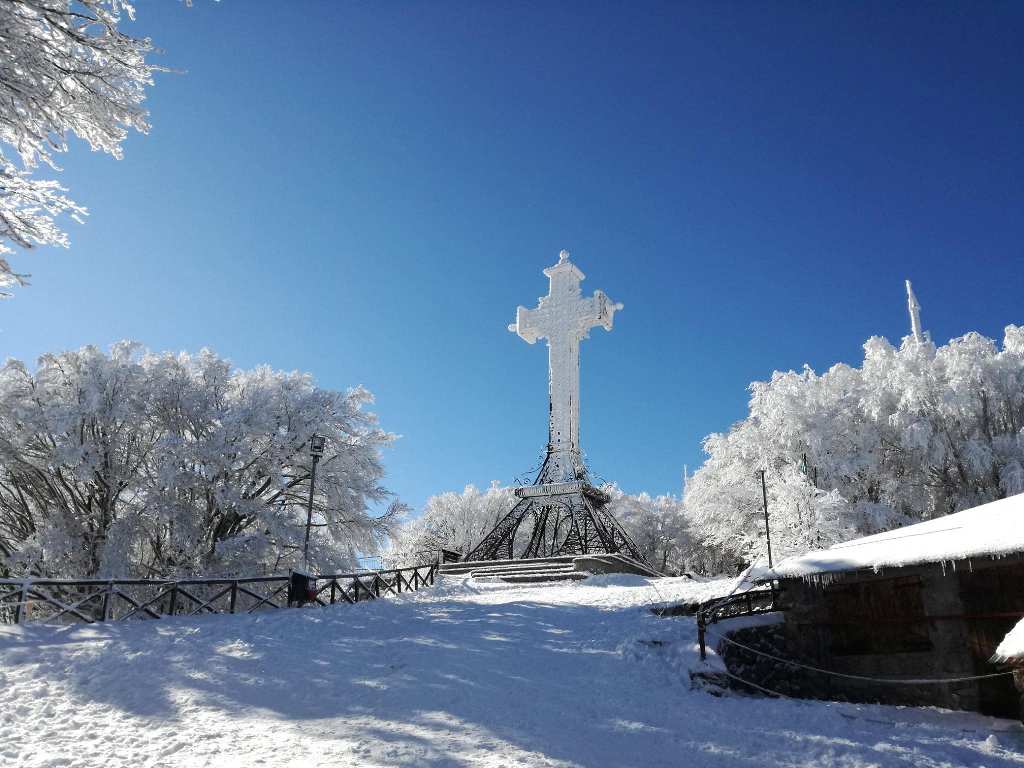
{"points": [[461, 675]]}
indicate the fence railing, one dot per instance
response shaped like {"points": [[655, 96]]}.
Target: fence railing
{"points": [[742, 604], [59, 601]]}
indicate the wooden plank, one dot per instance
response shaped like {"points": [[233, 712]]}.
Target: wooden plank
{"points": [[48, 600], [107, 595], [138, 606], [19, 611], [389, 587], [200, 603], [268, 600], [346, 595], [208, 604], [360, 583]]}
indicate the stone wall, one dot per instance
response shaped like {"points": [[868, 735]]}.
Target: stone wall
{"points": [[915, 622]]}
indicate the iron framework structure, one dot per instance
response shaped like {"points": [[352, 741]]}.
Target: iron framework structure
{"points": [[562, 517]]}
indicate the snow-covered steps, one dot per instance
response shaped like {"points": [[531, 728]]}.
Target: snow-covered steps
{"points": [[529, 574], [562, 568], [468, 567], [508, 570], [529, 578], [517, 571]]}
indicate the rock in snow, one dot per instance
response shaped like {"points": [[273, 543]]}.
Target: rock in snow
{"points": [[568, 674]]}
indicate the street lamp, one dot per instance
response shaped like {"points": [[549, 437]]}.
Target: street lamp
{"points": [[316, 450], [767, 530]]}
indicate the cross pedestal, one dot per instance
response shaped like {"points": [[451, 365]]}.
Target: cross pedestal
{"points": [[561, 513]]}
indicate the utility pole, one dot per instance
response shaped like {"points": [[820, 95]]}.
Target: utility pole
{"points": [[767, 528], [316, 450]]}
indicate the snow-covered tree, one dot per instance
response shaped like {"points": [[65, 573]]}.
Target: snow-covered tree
{"points": [[65, 69], [657, 525], [136, 464], [452, 521], [915, 432]]}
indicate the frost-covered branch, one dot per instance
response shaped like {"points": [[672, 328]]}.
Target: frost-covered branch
{"points": [[66, 69]]}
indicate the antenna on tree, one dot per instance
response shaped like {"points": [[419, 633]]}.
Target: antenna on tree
{"points": [[914, 308]]}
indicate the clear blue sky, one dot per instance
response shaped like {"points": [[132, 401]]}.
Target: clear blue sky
{"points": [[366, 192]]}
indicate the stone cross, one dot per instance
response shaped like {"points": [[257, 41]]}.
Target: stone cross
{"points": [[564, 318]]}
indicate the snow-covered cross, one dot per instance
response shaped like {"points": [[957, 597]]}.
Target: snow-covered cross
{"points": [[563, 317]]}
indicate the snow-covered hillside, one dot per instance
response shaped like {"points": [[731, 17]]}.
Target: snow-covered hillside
{"points": [[577, 674]]}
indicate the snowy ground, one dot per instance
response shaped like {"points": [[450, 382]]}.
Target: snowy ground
{"points": [[459, 675]]}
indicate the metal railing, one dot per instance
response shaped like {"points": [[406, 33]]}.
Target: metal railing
{"points": [[748, 603], [59, 601]]}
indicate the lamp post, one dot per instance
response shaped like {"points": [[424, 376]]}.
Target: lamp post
{"points": [[316, 450], [767, 530]]}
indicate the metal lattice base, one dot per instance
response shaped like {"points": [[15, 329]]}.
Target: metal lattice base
{"points": [[557, 518]]}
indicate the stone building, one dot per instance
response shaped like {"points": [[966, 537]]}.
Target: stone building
{"points": [[924, 602]]}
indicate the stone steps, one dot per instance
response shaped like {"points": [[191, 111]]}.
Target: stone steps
{"points": [[524, 568], [561, 568], [484, 574], [517, 571], [538, 563], [527, 578]]}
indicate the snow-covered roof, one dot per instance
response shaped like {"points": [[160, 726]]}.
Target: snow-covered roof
{"points": [[993, 529], [1012, 647]]}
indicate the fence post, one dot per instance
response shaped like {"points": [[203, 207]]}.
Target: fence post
{"points": [[334, 586], [234, 596], [700, 637], [19, 610], [174, 599], [107, 595], [376, 585]]}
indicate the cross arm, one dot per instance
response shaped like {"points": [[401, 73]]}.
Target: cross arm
{"points": [[525, 325], [602, 311]]}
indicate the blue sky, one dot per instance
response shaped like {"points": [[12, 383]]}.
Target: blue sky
{"points": [[366, 191]]}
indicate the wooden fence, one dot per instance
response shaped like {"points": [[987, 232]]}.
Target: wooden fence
{"points": [[57, 601]]}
